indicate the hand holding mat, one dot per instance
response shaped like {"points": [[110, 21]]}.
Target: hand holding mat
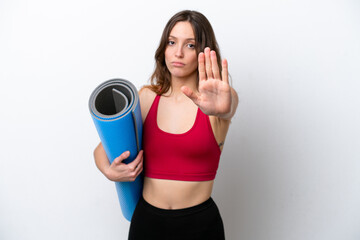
{"points": [[115, 109]]}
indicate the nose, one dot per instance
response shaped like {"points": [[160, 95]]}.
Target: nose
{"points": [[179, 52]]}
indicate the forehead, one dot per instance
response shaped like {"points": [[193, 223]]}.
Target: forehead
{"points": [[182, 30]]}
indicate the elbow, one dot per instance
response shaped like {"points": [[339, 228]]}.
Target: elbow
{"points": [[97, 151]]}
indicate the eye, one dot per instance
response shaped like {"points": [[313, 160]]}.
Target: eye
{"points": [[190, 45], [171, 42]]}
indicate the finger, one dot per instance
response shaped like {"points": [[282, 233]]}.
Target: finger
{"points": [[133, 175], [136, 161], [209, 73], [139, 168], [224, 73], [121, 158], [134, 172], [214, 65], [190, 94], [201, 66]]}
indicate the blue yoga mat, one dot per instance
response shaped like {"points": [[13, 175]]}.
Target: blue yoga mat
{"points": [[115, 109]]}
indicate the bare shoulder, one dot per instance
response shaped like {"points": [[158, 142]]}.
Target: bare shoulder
{"points": [[147, 97], [145, 91]]}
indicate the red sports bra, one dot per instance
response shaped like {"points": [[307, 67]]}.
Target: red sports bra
{"points": [[190, 156]]}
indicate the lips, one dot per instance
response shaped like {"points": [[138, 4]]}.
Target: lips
{"points": [[178, 64]]}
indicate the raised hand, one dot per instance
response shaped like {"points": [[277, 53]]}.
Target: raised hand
{"points": [[214, 94]]}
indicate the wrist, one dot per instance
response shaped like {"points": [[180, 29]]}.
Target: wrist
{"points": [[108, 174]]}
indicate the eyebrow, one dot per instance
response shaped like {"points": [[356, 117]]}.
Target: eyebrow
{"points": [[186, 39]]}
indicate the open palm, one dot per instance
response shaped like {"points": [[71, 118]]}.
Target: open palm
{"points": [[214, 93]]}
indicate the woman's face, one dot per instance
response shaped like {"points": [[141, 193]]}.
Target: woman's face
{"points": [[180, 53]]}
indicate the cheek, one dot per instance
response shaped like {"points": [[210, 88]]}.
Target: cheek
{"points": [[167, 57], [194, 61], [166, 54], [194, 56]]}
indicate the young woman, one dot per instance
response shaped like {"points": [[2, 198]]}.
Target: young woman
{"points": [[186, 113]]}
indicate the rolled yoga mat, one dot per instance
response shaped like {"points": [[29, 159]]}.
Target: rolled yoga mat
{"points": [[115, 109]]}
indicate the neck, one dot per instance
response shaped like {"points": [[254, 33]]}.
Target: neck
{"points": [[177, 83]]}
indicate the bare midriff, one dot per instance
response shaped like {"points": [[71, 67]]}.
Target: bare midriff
{"points": [[172, 194]]}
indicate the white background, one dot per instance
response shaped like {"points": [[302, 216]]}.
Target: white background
{"points": [[290, 169]]}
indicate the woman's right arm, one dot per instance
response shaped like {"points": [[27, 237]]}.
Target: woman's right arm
{"points": [[117, 170]]}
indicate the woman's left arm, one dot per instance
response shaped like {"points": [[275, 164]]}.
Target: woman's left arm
{"points": [[215, 96]]}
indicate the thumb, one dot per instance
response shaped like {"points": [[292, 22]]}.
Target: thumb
{"points": [[190, 94], [121, 158]]}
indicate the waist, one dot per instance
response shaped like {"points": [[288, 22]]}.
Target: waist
{"points": [[172, 194], [179, 212]]}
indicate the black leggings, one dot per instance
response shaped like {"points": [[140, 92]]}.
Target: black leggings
{"points": [[202, 221]]}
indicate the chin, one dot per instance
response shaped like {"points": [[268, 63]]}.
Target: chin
{"points": [[180, 73]]}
